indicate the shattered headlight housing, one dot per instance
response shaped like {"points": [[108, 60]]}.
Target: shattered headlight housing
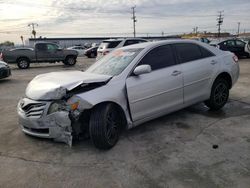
{"points": [[56, 107]]}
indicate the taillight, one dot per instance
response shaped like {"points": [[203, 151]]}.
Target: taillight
{"points": [[235, 58]]}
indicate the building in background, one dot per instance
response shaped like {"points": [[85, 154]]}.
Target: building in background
{"points": [[88, 41]]}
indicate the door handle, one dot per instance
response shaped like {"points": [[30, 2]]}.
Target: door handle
{"points": [[213, 62], [176, 73]]}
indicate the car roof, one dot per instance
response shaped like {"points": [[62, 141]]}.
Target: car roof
{"points": [[150, 45], [162, 42]]}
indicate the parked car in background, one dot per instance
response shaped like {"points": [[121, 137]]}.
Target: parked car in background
{"points": [[42, 52], [108, 46], [128, 87], [4, 70], [91, 52], [201, 39], [238, 47], [79, 49]]}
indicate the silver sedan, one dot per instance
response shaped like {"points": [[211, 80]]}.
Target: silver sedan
{"points": [[128, 87]]}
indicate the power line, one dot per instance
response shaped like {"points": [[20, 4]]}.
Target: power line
{"points": [[134, 19], [220, 21]]}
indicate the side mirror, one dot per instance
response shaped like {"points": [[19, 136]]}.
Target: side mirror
{"points": [[142, 69]]}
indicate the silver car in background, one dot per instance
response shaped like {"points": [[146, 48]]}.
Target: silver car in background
{"points": [[108, 46], [128, 87]]}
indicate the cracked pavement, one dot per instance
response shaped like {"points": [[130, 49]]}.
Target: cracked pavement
{"points": [[175, 150]]}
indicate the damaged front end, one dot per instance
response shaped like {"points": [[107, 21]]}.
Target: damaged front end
{"points": [[55, 112], [46, 119]]}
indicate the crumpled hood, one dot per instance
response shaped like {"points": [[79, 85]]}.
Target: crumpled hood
{"points": [[54, 85]]}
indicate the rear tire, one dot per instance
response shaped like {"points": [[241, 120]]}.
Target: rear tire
{"points": [[70, 61], [105, 126], [23, 63], [219, 95]]}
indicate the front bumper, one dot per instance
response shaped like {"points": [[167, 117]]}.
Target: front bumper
{"points": [[34, 121], [5, 72]]}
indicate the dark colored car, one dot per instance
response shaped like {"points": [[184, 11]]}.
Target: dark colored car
{"points": [[91, 52], [4, 70], [238, 47], [42, 52]]}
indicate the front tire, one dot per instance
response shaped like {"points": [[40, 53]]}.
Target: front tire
{"points": [[105, 126], [23, 63], [219, 95], [70, 61]]}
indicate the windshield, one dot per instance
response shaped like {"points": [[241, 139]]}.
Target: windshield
{"points": [[114, 63]]}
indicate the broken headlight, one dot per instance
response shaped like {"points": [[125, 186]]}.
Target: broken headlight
{"points": [[56, 107]]}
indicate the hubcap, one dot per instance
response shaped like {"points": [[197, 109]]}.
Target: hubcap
{"points": [[23, 64], [71, 61], [221, 94]]}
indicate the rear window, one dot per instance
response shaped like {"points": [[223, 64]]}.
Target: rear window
{"points": [[188, 52], [109, 44], [206, 53]]}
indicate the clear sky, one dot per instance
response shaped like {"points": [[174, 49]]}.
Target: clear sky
{"points": [[83, 18]]}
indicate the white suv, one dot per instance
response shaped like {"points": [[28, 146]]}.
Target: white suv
{"points": [[109, 45]]}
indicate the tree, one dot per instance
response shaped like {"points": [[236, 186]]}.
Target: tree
{"points": [[7, 43]]}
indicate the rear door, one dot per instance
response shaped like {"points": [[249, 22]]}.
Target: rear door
{"points": [[199, 66], [159, 91], [240, 47], [41, 52]]}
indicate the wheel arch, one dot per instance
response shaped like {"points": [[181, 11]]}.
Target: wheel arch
{"points": [[22, 57], [119, 108], [226, 76], [70, 55]]}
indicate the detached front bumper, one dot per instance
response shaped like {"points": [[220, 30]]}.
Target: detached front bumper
{"points": [[34, 121]]}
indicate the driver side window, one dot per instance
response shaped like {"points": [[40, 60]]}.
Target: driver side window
{"points": [[159, 58], [51, 47]]}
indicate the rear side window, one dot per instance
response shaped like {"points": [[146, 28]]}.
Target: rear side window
{"points": [[109, 44], [41, 47], [240, 43], [188, 52], [206, 53], [131, 42], [229, 43], [159, 57]]}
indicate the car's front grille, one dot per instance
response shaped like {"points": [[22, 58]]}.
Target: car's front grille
{"points": [[33, 109]]}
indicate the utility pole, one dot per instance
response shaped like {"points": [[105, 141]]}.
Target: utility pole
{"points": [[196, 30], [238, 33], [32, 25], [220, 21], [134, 19]]}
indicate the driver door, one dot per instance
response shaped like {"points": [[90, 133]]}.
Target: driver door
{"points": [[157, 92]]}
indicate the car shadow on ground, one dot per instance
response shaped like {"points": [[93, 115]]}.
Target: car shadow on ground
{"points": [[172, 122], [5, 80]]}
